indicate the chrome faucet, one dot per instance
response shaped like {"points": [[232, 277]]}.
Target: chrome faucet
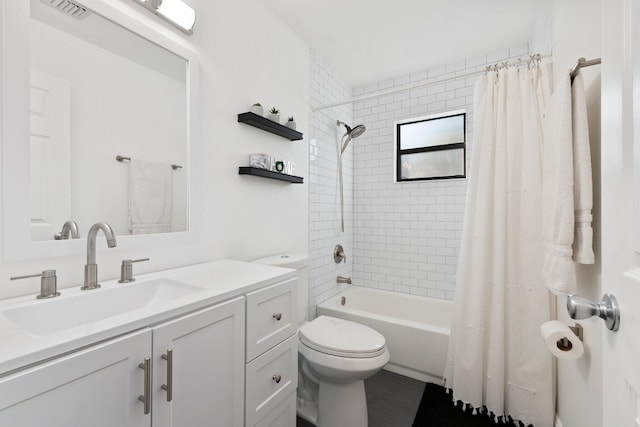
{"points": [[91, 268], [69, 229]]}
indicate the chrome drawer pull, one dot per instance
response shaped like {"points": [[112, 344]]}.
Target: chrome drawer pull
{"points": [[146, 397], [277, 378], [168, 387], [277, 316]]}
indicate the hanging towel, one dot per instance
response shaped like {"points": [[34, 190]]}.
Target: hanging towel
{"points": [[582, 180], [566, 187], [149, 197]]}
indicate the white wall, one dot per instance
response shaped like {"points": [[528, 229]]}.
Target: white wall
{"points": [[407, 235], [246, 55], [576, 33], [325, 232]]}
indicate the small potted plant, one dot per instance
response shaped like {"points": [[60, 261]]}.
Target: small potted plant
{"points": [[274, 114], [291, 123], [256, 109]]}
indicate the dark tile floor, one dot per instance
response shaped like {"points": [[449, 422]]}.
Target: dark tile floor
{"points": [[392, 400]]}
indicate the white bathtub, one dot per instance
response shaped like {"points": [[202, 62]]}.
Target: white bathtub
{"points": [[416, 329]]}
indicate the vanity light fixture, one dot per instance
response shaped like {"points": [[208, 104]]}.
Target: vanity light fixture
{"points": [[175, 12]]}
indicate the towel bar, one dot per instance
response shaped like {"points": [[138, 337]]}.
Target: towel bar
{"points": [[123, 158], [581, 63]]}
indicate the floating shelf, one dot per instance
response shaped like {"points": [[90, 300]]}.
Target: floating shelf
{"points": [[264, 173], [260, 122]]}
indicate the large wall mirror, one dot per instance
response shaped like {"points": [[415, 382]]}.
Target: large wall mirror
{"points": [[104, 133]]}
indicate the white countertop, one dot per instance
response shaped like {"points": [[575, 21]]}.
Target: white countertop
{"points": [[222, 280]]}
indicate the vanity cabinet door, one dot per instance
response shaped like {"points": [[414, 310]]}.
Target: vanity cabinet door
{"points": [[98, 387], [203, 373]]}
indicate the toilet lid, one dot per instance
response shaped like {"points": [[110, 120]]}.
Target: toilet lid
{"points": [[342, 338]]}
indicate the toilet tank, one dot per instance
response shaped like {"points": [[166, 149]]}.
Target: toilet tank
{"points": [[299, 262]]}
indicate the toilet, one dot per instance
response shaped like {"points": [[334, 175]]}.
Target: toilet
{"points": [[335, 356]]}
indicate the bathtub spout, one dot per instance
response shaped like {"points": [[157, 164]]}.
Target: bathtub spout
{"points": [[341, 279]]}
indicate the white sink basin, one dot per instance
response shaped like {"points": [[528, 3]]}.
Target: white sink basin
{"points": [[45, 317]]}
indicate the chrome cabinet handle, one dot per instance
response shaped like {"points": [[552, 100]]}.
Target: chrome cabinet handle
{"points": [[277, 378], [146, 397], [277, 316], [168, 387]]}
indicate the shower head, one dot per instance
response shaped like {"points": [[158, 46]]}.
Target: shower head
{"points": [[355, 132], [342, 145], [351, 134]]}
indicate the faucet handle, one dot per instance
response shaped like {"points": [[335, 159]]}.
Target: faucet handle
{"points": [[126, 270], [339, 255], [48, 283]]}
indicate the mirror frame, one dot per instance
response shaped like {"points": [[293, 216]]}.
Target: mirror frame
{"points": [[16, 146]]}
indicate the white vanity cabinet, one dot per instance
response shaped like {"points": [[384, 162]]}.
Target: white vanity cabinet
{"points": [[202, 368], [272, 356], [100, 386], [218, 338]]}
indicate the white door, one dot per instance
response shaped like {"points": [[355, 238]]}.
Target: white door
{"points": [[621, 208], [97, 387], [202, 370], [49, 102]]}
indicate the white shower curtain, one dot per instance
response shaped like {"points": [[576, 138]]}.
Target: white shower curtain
{"points": [[497, 358]]}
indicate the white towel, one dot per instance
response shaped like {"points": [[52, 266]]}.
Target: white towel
{"points": [[582, 181], [150, 191], [566, 187]]}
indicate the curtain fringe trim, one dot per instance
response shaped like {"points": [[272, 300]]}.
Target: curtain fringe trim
{"points": [[469, 408]]}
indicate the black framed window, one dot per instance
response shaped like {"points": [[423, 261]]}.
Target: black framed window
{"points": [[431, 147]]}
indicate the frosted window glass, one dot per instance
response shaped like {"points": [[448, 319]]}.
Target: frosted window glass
{"points": [[432, 164], [429, 133]]}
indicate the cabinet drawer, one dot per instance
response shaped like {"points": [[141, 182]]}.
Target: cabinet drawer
{"points": [[284, 415], [271, 378], [271, 317]]}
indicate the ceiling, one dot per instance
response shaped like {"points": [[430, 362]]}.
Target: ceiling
{"points": [[365, 41]]}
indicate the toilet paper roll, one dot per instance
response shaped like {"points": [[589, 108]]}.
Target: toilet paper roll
{"points": [[561, 341]]}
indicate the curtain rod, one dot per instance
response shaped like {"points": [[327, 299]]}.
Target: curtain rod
{"points": [[434, 82], [582, 63]]}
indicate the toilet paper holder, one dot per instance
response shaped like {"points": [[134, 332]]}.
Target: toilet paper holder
{"points": [[577, 329], [564, 344], [607, 309]]}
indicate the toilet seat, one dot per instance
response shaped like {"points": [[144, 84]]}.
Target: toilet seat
{"points": [[342, 338]]}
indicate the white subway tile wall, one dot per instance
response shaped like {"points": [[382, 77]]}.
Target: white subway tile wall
{"points": [[324, 209], [402, 237], [406, 236]]}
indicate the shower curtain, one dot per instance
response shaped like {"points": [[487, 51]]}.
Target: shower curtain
{"points": [[497, 358]]}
